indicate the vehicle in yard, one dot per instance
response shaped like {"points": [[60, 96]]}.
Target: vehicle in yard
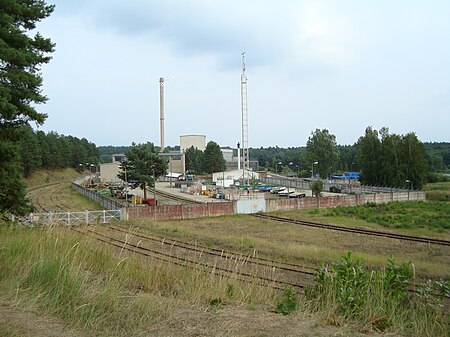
{"points": [[297, 195], [277, 189], [286, 192]]}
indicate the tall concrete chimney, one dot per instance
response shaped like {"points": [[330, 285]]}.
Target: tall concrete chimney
{"points": [[161, 110]]}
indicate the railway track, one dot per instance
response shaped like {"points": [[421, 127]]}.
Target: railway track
{"points": [[245, 268], [362, 231], [173, 197], [220, 252], [46, 198]]}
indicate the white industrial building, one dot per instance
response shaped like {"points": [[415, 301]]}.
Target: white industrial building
{"points": [[229, 178], [196, 141], [227, 155], [109, 172]]}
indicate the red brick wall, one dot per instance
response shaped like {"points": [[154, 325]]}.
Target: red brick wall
{"points": [[172, 212]]}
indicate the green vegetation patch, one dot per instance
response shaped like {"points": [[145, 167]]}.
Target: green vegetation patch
{"points": [[438, 191], [380, 299], [414, 214]]}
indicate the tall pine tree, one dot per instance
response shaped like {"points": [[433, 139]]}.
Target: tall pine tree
{"points": [[21, 56], [213, 160]]}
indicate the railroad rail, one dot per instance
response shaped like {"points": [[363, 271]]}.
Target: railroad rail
{"points": [[52, 202], [173, 197], [362, 231], [220, 252], [227, 264]]}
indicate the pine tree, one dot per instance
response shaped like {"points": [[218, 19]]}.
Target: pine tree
{"points": [[21, 56], [368, 157], [194, 160], [213, 160], [321, 147], [12, 190], [30, 151], [141, 164]]}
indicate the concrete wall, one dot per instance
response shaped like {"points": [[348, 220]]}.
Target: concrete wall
{"points": [[246, 206], [227, 154], [197, 141], [173, 212], [284, 204], [109, 172]]}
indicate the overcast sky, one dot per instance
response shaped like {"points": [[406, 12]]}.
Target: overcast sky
{"points": [[342, 65]]}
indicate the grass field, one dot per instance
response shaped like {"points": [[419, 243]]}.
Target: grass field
{"points": [[408, 215], [49, 176], [438, 191]]}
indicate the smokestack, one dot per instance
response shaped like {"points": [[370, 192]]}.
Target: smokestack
{"points": [[161, 110]]}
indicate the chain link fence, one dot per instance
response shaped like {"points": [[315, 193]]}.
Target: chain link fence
{"points": [[342, 187], [100, 199]]}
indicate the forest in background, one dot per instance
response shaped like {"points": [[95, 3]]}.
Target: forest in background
{"points": [[437, 155]]}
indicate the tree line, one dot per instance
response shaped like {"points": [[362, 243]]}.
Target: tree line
{"points": [[22, 53], [410, 156], [39, 150], [209, 161], [437, 157]]}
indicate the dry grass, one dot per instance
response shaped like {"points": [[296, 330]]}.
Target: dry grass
{"points": [[49, 176], [101, 289], [302, 245], [61, 197]]}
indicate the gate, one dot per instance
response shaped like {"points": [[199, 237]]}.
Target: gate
{"points": [[72, 218], [250, 206]]}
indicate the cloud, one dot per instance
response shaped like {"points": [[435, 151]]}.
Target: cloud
{"points": [[272, 35], [308, 62]]}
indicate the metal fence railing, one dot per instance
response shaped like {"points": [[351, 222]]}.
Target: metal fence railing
{"points": [[72, 218], [103, 201], [344, 187]]}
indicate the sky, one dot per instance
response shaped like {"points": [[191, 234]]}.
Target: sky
{"points": [[340, 65]]}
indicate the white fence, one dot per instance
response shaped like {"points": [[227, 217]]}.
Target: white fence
{"points": [[72, 218]]}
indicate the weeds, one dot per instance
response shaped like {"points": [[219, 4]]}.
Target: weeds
{"points": [[400, 214], [288, 302], [100, 290], [379, 298]]}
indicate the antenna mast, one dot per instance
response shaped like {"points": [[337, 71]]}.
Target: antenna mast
{"points": [[161, 111], [244, 106]]}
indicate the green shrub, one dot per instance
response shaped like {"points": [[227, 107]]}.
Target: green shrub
{"points": [[438, 195], [411, 214], [379, 298], [288, 302], [435, 177]]}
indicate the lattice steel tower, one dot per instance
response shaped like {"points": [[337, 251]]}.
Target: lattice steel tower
{"points": [[244, 106], [161, 112]]}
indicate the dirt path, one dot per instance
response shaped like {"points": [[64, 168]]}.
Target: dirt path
{"points": [[223, 322]]}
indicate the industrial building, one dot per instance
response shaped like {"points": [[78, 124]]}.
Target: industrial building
{"points": [[196, 141], [230, 178]]}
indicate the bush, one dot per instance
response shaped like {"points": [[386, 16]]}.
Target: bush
{"points": [[288, 302], [411, 214], [434, 177], [317, 187], [379, 298], [438, 195]]}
